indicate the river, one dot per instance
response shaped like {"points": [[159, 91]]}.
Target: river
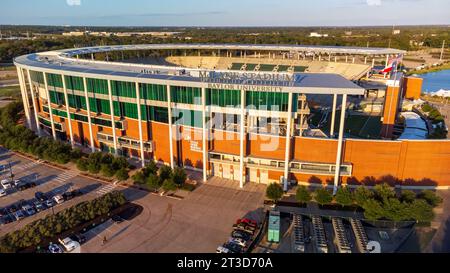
{"points": [[436, 81]]}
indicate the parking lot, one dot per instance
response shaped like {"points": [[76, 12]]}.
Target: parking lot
{"points": [[48, 180], [198, 223]]}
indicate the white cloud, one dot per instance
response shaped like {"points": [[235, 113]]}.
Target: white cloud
{"points": [[73, 2], [373, 2]]}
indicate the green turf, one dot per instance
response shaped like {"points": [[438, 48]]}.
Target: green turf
{"points": [[362, 126]]}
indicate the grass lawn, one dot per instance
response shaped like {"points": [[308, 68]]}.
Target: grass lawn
{"points": [[10, 91]]}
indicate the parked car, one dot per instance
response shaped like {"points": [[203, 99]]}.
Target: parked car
{"points": [[221, 249], [238, 241], [71, 194], [40, 196], [12, 208], [58, 199], [68, 244], [3, 193], [29, 210], [6, 219], [16, 182], [26, 185], [80, 238], [247, 221], [241, 234], [19, 215], [55, 248], [39, 206], [233, 247], [6, 183], [49, 203]]}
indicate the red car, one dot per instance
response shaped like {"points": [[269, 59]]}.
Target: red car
{"points": [[247, 222]]}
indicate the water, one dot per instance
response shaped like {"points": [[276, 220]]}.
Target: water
{"points": [[435, 81]]}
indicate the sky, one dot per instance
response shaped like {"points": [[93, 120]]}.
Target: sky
{"points": [[224, 12]]}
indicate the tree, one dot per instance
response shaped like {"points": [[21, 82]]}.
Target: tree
{"points": [[362, 194], [82, 164], [153, 181], [323, 196], [107, 170], [302, 195], [373, 209], [169, 185], [384, 191], [122, 174], [420, 210], [431, 197], [139, 178], [165, 172], [344, 196], [408, 196], [150, 168], [179, 176], [395, 210], [274, 192]]}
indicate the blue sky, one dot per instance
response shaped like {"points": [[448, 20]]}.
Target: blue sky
{"points": [[224, 12]]}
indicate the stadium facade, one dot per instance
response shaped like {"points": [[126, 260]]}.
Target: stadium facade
{"points": [[242, 125]]}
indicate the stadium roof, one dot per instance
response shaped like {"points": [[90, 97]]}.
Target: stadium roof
{"points": [[63, 60], [251, 47]]}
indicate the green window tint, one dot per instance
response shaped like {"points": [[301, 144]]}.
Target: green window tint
{"points": [[153, 92], [74, 83], [125, 109], [294, 102], [79, 117], [186, 117], [274, 101], [56, 97], [185, 94], [54, 80], [223, 97], [37, 76], [156, 113], [99, 106], [98, 86], [78, 102], [123, 89]]}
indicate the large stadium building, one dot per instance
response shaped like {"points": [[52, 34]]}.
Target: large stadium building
{"points": [[239, 112]]}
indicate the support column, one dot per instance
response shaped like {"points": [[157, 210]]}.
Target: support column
{"points": [[204, 142], [141, 141], [339, 148], [287, 153], [89, 114], [373, 62], [335, 59], [49, 106], [241, 143], [113, 123], [333, 115], [36, 119], [169, 112], [25, 100], [69, 120], [365, 60]]}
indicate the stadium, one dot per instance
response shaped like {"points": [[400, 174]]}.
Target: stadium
{"points": [[313, 115]]}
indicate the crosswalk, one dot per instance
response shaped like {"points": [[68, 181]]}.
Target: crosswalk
{"points": [[62, 178], [105, 189]]}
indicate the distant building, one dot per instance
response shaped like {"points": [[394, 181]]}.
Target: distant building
{"points": [[396, 31], [348, 33], [318, 35]]}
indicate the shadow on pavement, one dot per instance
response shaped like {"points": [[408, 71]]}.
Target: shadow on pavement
{"points": [[133, 194], [90, 188]]}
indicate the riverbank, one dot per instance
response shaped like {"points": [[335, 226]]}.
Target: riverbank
{"points": [[430, 69]]}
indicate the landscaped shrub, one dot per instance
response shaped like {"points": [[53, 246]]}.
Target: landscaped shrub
{"points": [[122, 174], [323, 196], [169, 185], [274, 192], [302, 195], [179, 176]]}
